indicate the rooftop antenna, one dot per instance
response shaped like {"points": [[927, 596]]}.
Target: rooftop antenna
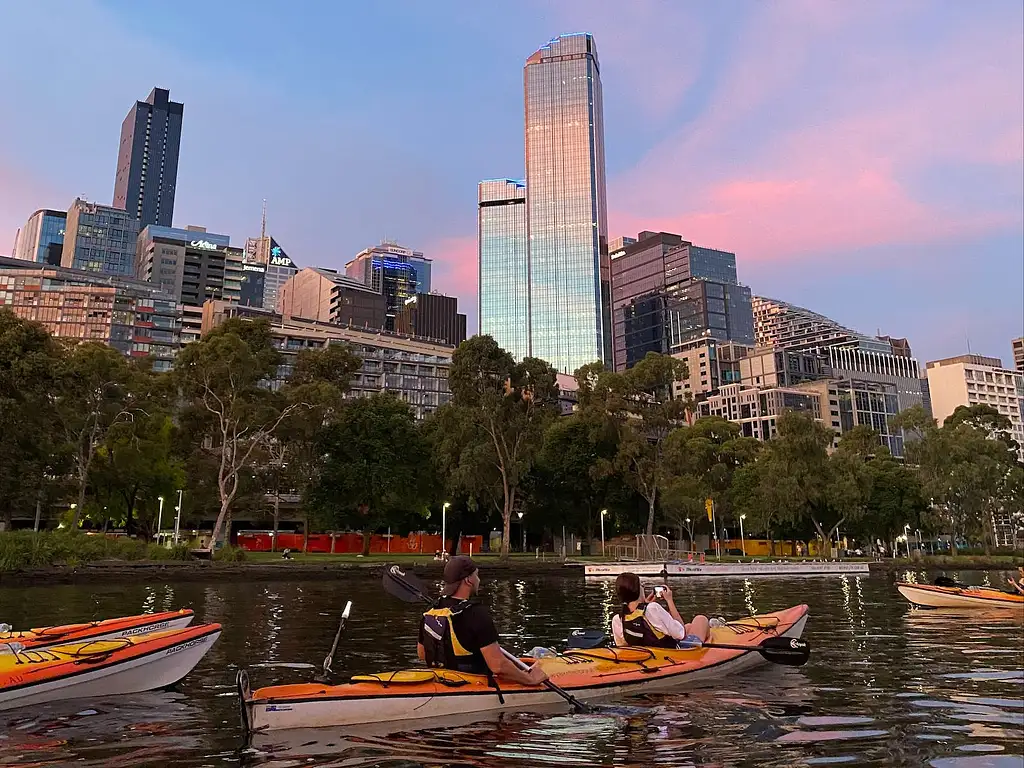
{"points": [[263, 225], [968, 342]]}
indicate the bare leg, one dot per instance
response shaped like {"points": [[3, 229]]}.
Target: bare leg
{"points": [[700, 627]]}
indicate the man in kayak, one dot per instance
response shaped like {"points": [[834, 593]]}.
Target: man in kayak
{"points": [[458, 633], [642, 621]]}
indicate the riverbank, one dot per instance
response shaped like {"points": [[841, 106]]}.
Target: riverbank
{"points": [[271, 567]]}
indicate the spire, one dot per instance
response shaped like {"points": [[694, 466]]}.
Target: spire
{"points": [[263, 225]]}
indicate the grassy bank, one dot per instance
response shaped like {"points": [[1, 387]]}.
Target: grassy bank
{"points": [[25, 550]]}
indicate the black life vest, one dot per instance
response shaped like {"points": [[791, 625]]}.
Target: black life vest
{"points": [[638, 630], [441, 646]]}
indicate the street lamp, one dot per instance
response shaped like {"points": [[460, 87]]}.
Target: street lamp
{"points": [[159, 517], [906, 538], [177, 522], [603, 513], [743, 540], [689, 532], [444, 521], [523, 527]]}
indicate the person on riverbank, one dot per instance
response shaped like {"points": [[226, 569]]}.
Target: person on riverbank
{"points": [[642, 621], [458, 632]]}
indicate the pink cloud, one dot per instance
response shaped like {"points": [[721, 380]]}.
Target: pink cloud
{"points": [[455, 272], [833, 169]]}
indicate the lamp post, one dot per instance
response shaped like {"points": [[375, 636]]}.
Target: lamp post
{"points": [[523, 528], [159, 518], [743, 540], [177, 521], [906, 538], [444, 521], [603, 513]]}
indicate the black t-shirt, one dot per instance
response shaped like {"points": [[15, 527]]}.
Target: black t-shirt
{"points": [[473, 626]]}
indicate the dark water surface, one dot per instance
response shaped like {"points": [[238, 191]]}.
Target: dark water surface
{"points": [[887, 684]]}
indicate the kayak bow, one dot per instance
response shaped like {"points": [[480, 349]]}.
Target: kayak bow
{"points": [[108, 629]]}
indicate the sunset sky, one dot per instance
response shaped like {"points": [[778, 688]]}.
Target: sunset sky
{"points": [[865, 160]]}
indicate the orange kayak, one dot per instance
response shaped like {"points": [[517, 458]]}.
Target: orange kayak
{"points": [[587, 674], [108, 629], [93, 668], [931, 596]]}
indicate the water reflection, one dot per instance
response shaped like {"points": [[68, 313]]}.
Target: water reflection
{"points": [[887, 683]]}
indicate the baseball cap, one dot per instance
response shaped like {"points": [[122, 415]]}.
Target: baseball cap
{"points": [[458, 568]]}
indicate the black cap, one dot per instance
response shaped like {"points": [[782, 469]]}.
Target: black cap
{"points": [[457, 569]]}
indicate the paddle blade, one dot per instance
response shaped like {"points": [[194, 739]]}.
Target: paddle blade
{"points": [[791, 651], [584, 638], [401, 583]]}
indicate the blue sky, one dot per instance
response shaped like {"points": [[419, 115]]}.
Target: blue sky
{"points": [[865, 160]]}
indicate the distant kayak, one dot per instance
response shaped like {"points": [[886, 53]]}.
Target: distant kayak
{"points": [[587, 674], [93, 668], [931, 596], [107, 629]]}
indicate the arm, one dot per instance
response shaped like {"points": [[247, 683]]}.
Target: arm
{"points": [[504, 668], [420, 652], [620, 639], [665, 622]]}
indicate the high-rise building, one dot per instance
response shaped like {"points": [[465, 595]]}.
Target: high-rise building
{"points": [[668, 294], [1018, 354], [567, 216], [432, 316], [147, 160], [397, 272], [977, 380], [504, 290], [99, 238], [326, 296], [781, 324], [43, 229], [132, 316], [280, 268]]}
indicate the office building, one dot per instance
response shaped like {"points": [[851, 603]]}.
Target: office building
{"points": [[326, 296], [414, 370], [42, 237], [504, 289], [1018, 354], [99, 238], [132, 316], [668, 294], [757, 409], [781, 324], [147, 159], [432, 316], [397, 272], [191, 264], [567, 217], [280, 268], [847, 403], [977, 380]]}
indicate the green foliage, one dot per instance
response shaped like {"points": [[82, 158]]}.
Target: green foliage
{"points": [[229, 554], [373, 465], [21, 550]]}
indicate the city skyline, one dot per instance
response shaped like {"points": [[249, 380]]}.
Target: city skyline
{"points": [[860, 194]]}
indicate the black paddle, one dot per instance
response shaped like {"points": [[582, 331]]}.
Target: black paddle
{"points": [[405, 586], [791, 651], [322, 678]]}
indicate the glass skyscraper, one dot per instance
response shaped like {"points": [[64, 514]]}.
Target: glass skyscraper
{"points": [[504, 311], [397, 272], [44, 228], [568, 269]]}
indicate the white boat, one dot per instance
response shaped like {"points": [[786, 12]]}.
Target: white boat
{"points": [[932, 596], [95, 668], [780, 568]]}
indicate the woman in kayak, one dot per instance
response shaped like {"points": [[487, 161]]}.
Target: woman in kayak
{"points": [[1018, 584], [642, 621], [458, 633]]}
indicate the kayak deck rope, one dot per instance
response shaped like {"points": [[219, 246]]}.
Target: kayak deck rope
{"points": [[81, 653]]}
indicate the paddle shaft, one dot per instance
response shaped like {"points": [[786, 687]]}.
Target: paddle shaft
{"points": [[414, 590], [763, 651], [337, 636]]}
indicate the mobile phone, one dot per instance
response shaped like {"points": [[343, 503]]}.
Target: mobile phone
{"points": [[658, 590]]}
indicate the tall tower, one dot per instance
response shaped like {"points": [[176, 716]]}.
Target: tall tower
{"points": [[147, 160], [504, 311], [567, 211]]}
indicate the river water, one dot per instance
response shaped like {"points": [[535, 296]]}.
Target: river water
{"points": [[887, 684]]}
